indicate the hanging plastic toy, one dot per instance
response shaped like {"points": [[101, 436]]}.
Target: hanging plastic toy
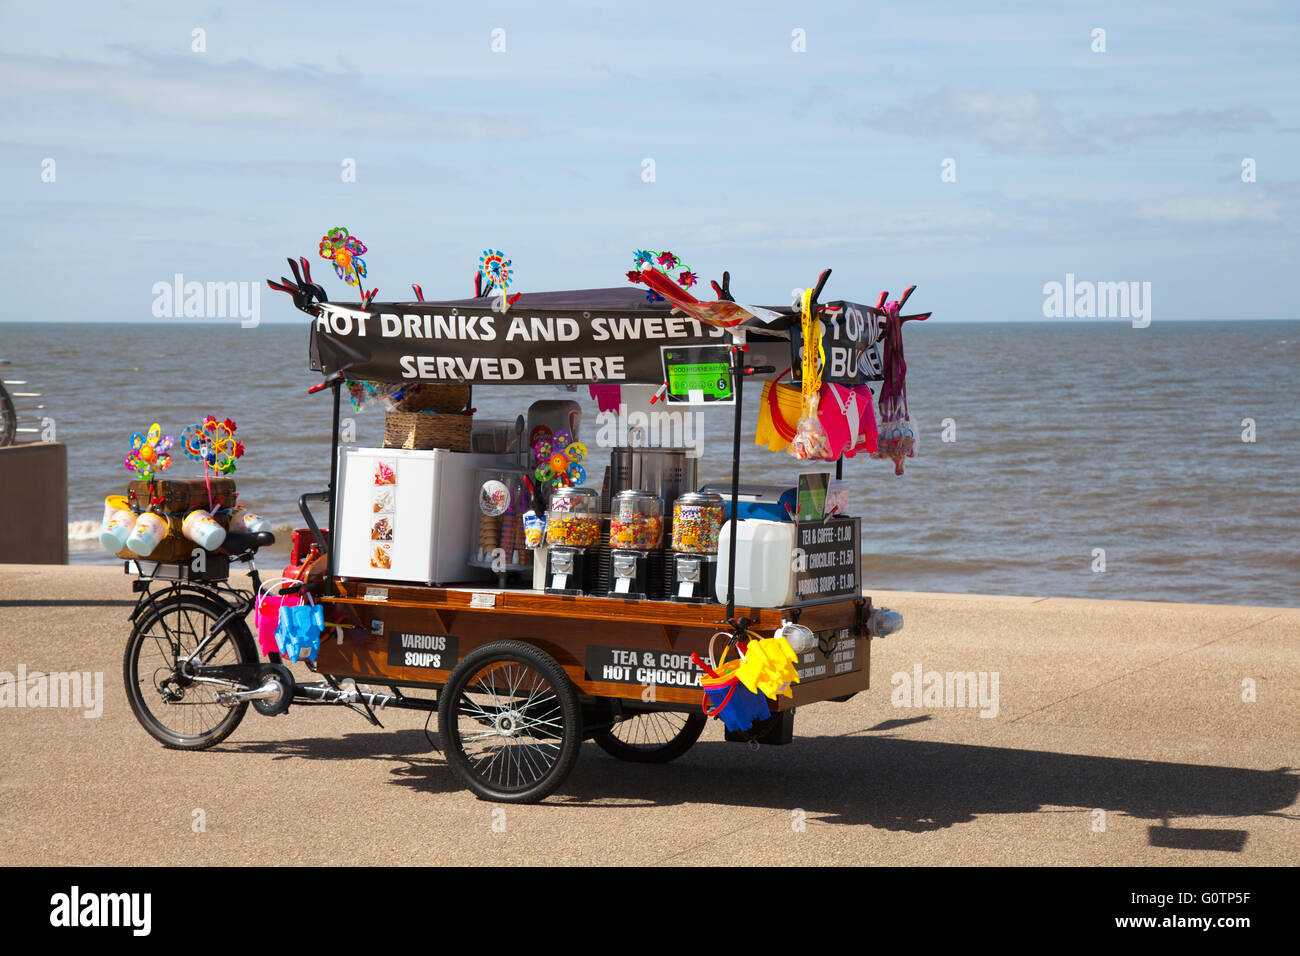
{"points": [[737, 706], [768, 667], [810, 441], [148, 455], [897, 440]]}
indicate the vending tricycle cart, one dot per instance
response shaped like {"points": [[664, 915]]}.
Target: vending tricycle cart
{"points": [[524, 663]]}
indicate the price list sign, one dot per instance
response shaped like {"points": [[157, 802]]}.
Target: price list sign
{"points": [[827, 560]]}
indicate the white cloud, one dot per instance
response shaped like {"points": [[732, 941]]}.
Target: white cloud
{"points": [[207, 92], [1024, 121], [1181, 123], [1210, 210]]}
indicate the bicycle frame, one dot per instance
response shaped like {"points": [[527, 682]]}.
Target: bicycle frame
{"points": [[237, 601]]}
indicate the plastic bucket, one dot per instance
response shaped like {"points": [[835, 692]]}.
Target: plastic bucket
{"points": [[200, 528], [147, 533], [734, 703], [298, 632], [254, 524], [266, 613], [118, 522]]}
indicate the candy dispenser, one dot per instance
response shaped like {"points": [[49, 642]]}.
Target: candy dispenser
{"points": [[636, 529], [697, 523], [497, 535], [572, 528]]}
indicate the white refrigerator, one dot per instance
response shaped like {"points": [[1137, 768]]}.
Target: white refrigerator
{"points": [[406, 515]]}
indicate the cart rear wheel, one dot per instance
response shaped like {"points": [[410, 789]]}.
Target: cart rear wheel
{"points": [[510, 722], [655, 737], [178, 712]]}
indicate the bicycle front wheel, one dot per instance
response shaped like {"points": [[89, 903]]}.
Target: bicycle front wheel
{"points": [[509, 722], [177, 711]]}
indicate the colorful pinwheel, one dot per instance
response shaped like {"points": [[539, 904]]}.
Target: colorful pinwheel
{"points": [[148, 455], [557, 459], [665, 262], [345, 251], [213, 443], [495, 269]]}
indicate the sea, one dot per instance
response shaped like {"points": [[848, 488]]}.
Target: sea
{"points": [[1073, 459]]}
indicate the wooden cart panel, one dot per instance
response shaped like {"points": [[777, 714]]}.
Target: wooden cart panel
{"points": [[635, 650]]}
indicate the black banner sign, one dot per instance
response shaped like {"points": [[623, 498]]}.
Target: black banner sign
{"points": [[827, 560], [435, 652], [851, 336], [426, 342], [631, 665]]}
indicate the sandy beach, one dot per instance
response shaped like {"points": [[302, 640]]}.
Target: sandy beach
{"points": [[1121, 733]]}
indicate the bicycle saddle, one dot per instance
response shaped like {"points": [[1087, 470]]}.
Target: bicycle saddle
{"points": [[242, 542]]}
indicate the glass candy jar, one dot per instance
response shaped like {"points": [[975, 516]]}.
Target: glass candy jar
{"points": [[573, 519], [697, 522], [637, 523]]}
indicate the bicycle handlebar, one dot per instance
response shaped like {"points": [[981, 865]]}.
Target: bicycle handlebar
{"points": [[311, 522]]}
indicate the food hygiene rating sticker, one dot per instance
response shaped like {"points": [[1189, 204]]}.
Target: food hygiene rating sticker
{"points": [[435, 652], [627, 665]]}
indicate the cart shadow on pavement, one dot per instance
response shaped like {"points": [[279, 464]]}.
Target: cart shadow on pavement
{"points": [[887, 783], [418, 765], [894, 784]]}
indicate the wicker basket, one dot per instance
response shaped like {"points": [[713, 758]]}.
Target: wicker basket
{"points": [[435, 398], [427, 430]]}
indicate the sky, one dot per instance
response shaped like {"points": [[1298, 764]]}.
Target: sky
{"points": [[979, 151]]}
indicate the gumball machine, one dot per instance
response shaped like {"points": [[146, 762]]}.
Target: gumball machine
{"points": [[697, 522], [572, 528], [636, 529]]}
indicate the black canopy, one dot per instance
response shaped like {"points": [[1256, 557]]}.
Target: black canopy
{"points": [[583, 336]]}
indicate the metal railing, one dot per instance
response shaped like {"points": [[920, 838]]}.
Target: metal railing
{"points": [[22, 413]]}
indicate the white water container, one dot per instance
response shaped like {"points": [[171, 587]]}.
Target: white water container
{"points": [[764, 563]]}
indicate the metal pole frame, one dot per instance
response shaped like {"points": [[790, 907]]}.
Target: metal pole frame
{"points": [[334, 466], [737, 379]]}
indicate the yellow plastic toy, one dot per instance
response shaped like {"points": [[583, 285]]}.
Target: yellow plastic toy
{"points": [[768, 667]]}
